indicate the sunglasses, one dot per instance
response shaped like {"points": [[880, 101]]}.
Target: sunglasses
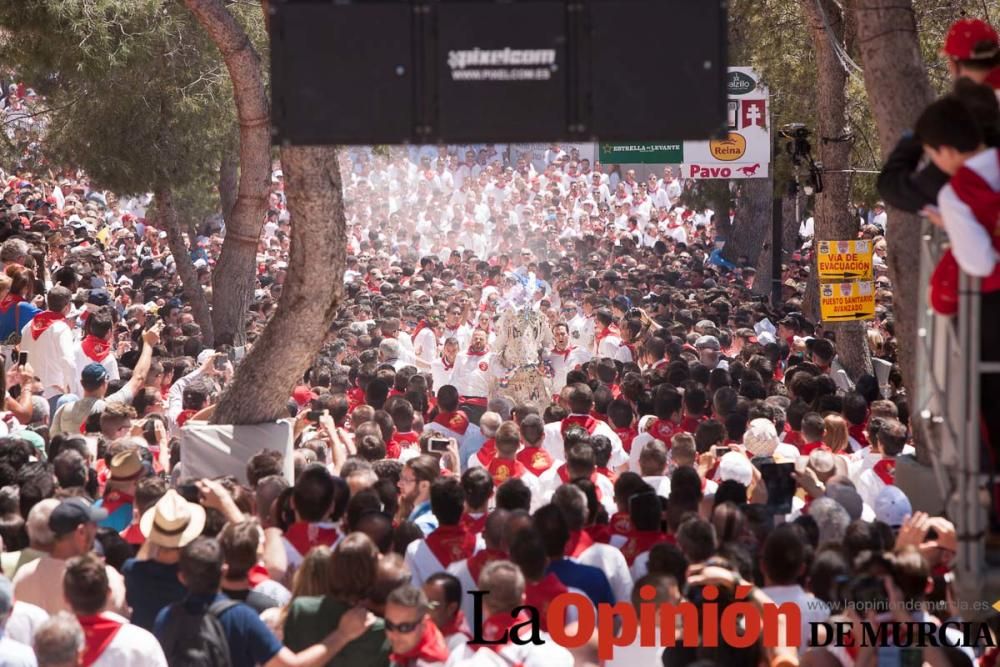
{"points": [[404, 628]]}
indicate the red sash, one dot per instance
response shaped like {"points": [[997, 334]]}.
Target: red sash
{"points": [[487, 452], [99, 633], [663, 430], [456, 421], [451, 543], [886, 470], [584, 421], [457, 626], [535, 459], [857, 431], [540, 594], [620, 524], [504, 469], [8, 301], [304, 536], [626, 435], [115, 499], [43, 321], [430, 648], [473, 525], [498, 625], [641, 541], [579, 541], [95, 348], [481, 560]]}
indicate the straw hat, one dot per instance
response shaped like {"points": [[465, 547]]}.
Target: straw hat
{"points": [[173, 522], [126, 466]]}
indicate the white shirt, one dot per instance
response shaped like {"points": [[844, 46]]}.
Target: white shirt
{"points": [[441, 375], [553, 443], [131, 647], [581, 329], [53, 356], [564, 362], [612, 562], [610, 346], [425, 348], [471, 375], [110, 364], [811, 608], [24, 620], [970, 241], [462, 334]]}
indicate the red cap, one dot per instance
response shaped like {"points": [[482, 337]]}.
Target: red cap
{"points": [[971, 39], [303, 394]]}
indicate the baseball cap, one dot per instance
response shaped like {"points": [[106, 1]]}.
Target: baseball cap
{"points": [[892, 506], [99, 297], [72, 513], [93, 374], [971, 39], [843, 491], [708, 343], [126, 466], [735, 466], [303, 395]]}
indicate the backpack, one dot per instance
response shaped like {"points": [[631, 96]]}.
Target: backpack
{"points": [[197, 639]]}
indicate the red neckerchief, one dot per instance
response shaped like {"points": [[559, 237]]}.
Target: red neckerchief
{"points": [[579, 541], [43, 321], [562, 353], [451, 543], [487, 452], [399, 442], [794, 438], [540, 594], [857, 431], [535, 459], [457, 626], [809, 447], [455, 421], [10, 300], [690, 424], [607, 472], [477, 354], [133, 534], [886, 470], [483, 558], [184, 416], [430, 648], [610, 330], [503, 469], [95, 348], [473, 524], [641, 541], [447, 366], [620, 523], [257, 575], [99, 632], [304, 536], [355, 397], [616, 391], [586, 421], [115, 499], [598, 416], [626, 435], [497, 626], [599, 532], [663, 430]]}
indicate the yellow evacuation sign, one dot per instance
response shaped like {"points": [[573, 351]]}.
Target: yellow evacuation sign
{"points": [[843, 302], [844, 260]]}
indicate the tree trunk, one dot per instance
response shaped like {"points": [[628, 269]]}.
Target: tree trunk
{"points": [[233, 279], [834, 219], [309, 298], [750, 236], [229, 174], [790, 222], [898, 90], [193, 292]]}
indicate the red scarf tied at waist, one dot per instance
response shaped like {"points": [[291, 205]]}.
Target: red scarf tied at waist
{"points": [[451, 543], [95, 348], [99, 632], [43, 321]]}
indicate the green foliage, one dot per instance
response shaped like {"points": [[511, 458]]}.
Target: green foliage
{"points": [[140, 95]]}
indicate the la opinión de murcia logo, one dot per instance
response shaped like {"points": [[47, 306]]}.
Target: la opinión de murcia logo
{"points": [[740, 623], [506, 57]]}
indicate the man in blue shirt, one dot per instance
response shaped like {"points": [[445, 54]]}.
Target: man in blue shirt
{"points": [[415, 490], [250, 641], [551, 524]]}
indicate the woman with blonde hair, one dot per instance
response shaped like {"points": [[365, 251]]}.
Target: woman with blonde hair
{"points": [[312, 578], [835, 434]]}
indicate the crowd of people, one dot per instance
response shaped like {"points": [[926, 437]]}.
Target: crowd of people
{"points": [[697, 437]]}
